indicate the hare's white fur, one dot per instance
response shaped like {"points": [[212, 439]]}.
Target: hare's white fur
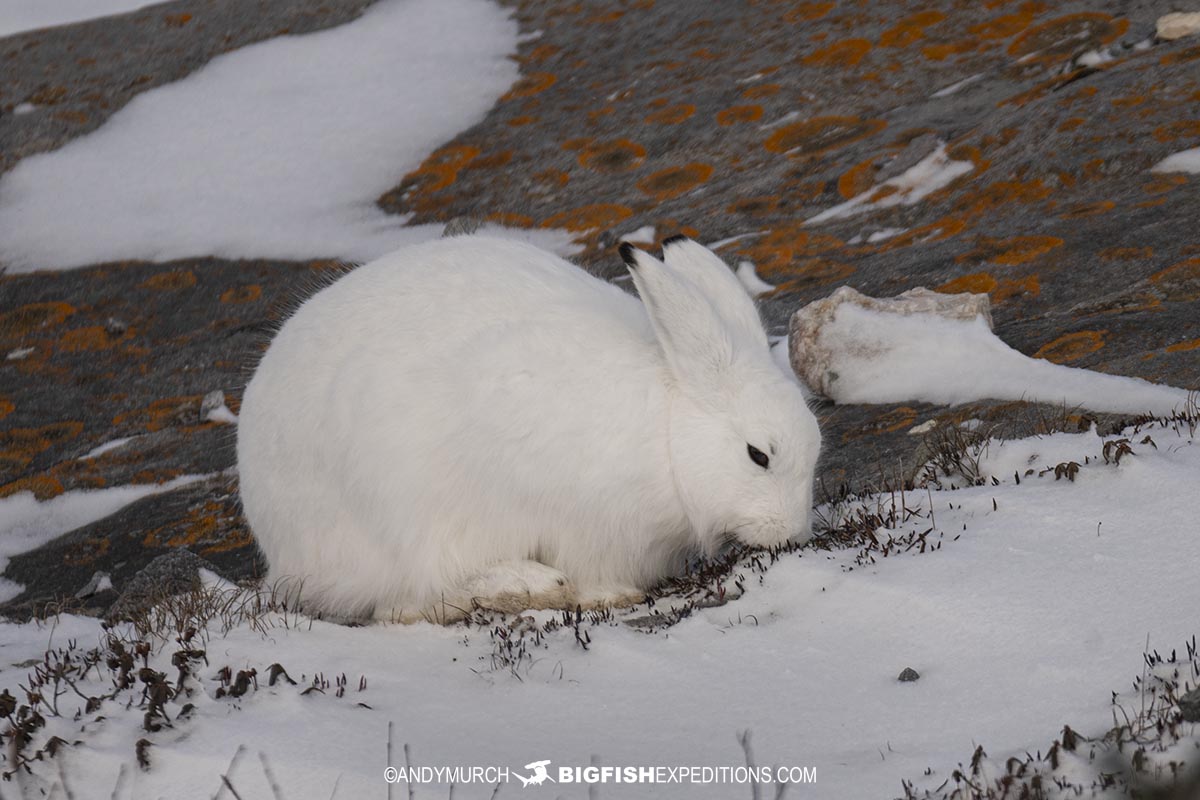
{"points": [[476, 421]]}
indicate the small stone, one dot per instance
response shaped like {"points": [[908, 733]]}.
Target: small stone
{"points": [[1177, 25], [1189, 704], [100, 582], [908, 675], [172, 573], [213, 409], [115, 327]]}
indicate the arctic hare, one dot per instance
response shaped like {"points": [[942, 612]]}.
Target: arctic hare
{"points": [[476, 422]]}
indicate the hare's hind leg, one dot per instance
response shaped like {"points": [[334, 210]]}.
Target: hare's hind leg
{"points": [[513, 586]]}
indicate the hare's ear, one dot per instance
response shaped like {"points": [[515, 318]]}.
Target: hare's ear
{"points": [[695, 340], [728, 296]]}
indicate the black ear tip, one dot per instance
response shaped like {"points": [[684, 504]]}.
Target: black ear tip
{"points": [[670, 240], [627, 254]]}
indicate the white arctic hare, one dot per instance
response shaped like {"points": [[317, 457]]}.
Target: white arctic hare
{"points": [[474, 421]]}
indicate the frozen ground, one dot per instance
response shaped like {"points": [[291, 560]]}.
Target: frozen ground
{"points": [[1021, 605], [27, 15], [278, 144]]}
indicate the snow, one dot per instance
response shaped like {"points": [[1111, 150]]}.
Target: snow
{"points": [[717, 245], [19, 353], [26, 523], [100, 450], [885, 234], [27, 15], [643, 235], [283, 146], [931, 173], [1183, 161], [954, 87], [1038, 603], [884, 357], [755, 285]]}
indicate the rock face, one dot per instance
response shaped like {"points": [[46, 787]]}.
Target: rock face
{"points": [[717, 120]]}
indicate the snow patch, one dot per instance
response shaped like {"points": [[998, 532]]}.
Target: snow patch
{"points": [[933, 172], [1183, 161], [100, 450], [283, 146], [881, 357], [643, 235]]}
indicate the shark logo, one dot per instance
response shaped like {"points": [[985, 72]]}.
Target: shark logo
{"points": [[539, 776]]}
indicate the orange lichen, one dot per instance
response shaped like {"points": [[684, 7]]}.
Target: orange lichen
{"points": [[760, 206], [551, 177], [760, 91], [1013, 251], [943, 228], [890, 421], [910, 29], [1183, 347], [1126, 253], [806, 12], [90, 339], [1001, 192], [975, 283], [542, 52], [19, 446], [529, 85], [1179, 282], [1189, 129], [6, 407], [1071, 346], [821, 134], [736, 114], [1066, 35], [618, 155], [1162, 184], [940, 52], [32, 318], [846, 53], [857, 179], [177, 20], [242, 294], [43, 487], [517, 122], [164, 413], [674, 181], [1071, 124], [671, 115], [1089, 209], [170, 281], [588, 218]]}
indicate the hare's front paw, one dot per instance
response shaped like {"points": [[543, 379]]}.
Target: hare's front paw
{"points": [[611, 597], [513, 586]]}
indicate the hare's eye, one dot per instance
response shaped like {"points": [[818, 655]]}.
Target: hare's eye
{"points": [[758, 456]]}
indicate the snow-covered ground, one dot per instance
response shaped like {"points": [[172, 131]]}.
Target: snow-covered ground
{"points": [[27, 15], [277, 150], [1026, 605]]}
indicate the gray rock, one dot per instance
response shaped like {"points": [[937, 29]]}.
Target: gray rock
{"points": [[462, 226], [1189, 704], [908, 675], [170, 574]]}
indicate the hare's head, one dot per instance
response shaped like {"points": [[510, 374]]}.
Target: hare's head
{"points": [[743, 442]]}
